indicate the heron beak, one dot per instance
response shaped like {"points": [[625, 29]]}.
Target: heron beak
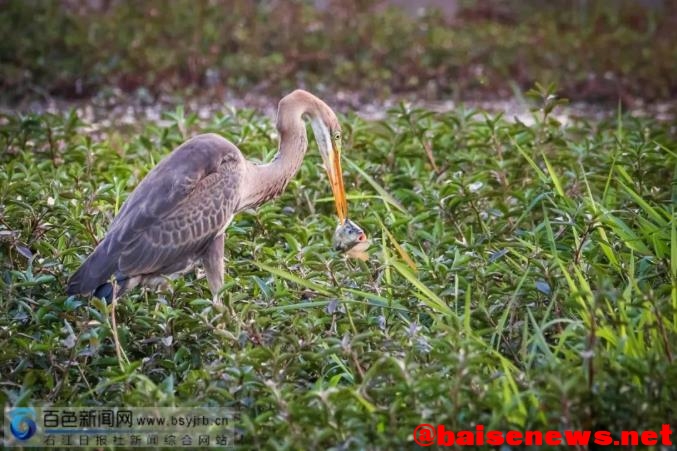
{"points": [[333, 166], [330, 151]]}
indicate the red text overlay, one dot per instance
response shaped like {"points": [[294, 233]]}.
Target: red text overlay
{"points": [[428, 434]]}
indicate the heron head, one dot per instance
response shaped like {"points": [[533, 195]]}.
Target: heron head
{"points": [[327, 132]]}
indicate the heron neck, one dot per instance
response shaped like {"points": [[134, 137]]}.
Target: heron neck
{"points": [[266, 181]]}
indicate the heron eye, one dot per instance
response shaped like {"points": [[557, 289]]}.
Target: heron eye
{"points": [[337, 137]]}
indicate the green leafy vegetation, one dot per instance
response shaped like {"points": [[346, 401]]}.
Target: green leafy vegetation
{"points": [[595, 50], [523, 276]]}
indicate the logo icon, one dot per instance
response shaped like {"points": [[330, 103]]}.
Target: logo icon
{"points": [[22, 422]]}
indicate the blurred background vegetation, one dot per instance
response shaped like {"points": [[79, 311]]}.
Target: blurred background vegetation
{"points": [[595, 50]]}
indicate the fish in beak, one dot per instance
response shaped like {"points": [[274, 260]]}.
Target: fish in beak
{"points": [[350, 239]]}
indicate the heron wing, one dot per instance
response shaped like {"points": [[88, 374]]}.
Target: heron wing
{"points": [[176, 176], [174, 220], [172, 216]]}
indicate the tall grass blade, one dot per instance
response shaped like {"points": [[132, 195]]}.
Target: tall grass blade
{"points": [[427, 296], [292, 278], [385, 195]]}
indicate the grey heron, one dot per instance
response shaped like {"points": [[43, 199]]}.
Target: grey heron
{"points": [[177, 216]]}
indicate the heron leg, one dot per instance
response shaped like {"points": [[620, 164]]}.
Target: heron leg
{"points": [[123, 361], [213, 264]]}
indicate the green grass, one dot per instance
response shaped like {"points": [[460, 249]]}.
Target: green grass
{"points": [[529, 282]]}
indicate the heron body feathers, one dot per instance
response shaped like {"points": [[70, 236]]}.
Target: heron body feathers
{"points": [[168, 223]]}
